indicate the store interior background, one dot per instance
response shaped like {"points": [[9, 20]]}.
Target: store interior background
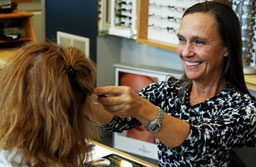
{"points": [[79, 17]]}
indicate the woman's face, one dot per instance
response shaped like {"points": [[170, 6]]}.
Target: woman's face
{"points": [[200, 47]]}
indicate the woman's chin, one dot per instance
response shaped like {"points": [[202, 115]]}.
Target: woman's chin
{"points": [[192, 76]]}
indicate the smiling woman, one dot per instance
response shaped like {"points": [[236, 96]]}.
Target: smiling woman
{"points": [[202, 53], [206, 114]]}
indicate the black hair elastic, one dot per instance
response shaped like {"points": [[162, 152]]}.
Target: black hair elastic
{"points": [[70, 71]]}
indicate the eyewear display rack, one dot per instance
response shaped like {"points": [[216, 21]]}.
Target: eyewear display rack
{"points": [[151, 22], [158, 21], [123, 18]]}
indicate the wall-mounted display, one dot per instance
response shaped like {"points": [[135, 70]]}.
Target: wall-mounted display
{"points": [[123, 18], [151, 22], [164, 19], [159, 20]]}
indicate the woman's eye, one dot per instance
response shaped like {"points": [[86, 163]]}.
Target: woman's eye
{"points": [[200, 42], [181, 39]]}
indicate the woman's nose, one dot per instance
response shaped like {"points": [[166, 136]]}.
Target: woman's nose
{"points": [[187, 50]]}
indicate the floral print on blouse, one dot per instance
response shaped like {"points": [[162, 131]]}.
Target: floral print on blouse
{"points": [[217, 125]]}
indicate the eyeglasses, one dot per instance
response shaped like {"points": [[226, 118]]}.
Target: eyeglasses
{"points": [[171, 8], [123, 20], [123, 2], [169, 18], [159, 28], [124, 24], [196, 1], [120, 10], [123, 16]]}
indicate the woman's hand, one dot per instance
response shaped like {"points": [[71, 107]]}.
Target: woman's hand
{"points": [[121, 100]]}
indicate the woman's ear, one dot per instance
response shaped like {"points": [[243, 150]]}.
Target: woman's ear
{"points": [[226, 52]]}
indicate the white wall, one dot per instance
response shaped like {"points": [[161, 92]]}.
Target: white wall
{"points": [[134, 53], [37, 8], [112, 50]]}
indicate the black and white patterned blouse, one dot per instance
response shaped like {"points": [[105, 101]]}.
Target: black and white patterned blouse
{"points": [[224, 121]]}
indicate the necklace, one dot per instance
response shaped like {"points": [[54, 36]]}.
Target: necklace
{"points": [[186, 98]]}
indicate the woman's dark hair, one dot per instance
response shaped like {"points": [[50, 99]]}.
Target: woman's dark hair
{"points": [[229, 29]]}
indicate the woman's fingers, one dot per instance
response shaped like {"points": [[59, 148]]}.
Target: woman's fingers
{"points": [[111, 100], [115, 95], [123, 101], [109, 90]]}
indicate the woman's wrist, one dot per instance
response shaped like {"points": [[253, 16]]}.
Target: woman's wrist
{"points": [[147, 113]]}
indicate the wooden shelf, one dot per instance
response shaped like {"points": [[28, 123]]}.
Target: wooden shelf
{"points": [[158, 44], [142, 26], [26, 19], [250, 82], [15, 14], [15, 1]]}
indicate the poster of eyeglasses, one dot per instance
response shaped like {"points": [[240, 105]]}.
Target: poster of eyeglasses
{"points": [[138, 140], [164, 18], [123, 18]]}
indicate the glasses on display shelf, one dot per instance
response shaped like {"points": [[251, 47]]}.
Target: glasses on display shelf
{"points": [[246, 43], [169, 18], [176, 8], [122, 2], [247, 34], [247, 20], [171, 8], [123, 10], [159, 28], [196, 1], [123, 7], [123, 16], [155, 5], [118, 20], [123, 24]]}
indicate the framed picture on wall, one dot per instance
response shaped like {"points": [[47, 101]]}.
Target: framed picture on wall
{"points": [[138, 140]]}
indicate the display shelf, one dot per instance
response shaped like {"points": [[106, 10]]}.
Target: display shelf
{"points": [[16, 1], [143, 24], [123, 20], [26, 22]]}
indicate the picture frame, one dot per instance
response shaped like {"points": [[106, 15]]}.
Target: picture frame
{"points": [[137, 140]]}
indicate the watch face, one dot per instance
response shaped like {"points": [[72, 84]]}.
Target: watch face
{"points": [[155, 127]]}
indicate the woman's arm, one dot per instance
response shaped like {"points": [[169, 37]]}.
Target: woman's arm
{"points": [[127, 103]]}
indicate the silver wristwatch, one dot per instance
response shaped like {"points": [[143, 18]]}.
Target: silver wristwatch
{"points": [[155, 125]]}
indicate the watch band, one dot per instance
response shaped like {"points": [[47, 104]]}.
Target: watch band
{"points": [[155, 125]]}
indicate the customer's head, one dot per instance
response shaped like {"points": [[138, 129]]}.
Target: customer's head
{"points": [[44, 101], [229, 31]]}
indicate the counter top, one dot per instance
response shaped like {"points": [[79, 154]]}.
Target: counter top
{"points": [[101, 150], [5, 55]]}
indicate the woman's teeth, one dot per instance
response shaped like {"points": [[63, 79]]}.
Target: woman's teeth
{"points": [[192, 63]]}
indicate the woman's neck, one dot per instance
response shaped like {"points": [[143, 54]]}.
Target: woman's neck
{"points": [[201, 92]]}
